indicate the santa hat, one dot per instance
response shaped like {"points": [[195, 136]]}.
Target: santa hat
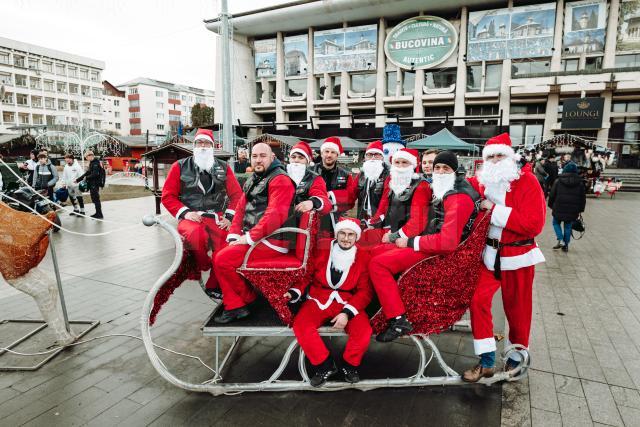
{"points": [[302, 148], [375, 148], [409, 154], [205, 135], [500, 144], [332, 143], [351, 224]]}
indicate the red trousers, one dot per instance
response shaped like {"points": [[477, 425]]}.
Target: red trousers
{"points": [[236, 291], [517, 289], [310, 318], [387, 261], [198, 237], [371, 238]]}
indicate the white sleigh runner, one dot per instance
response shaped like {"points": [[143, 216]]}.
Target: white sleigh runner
{"points": [[265, 323]]}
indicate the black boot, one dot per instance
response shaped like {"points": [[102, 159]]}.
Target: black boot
{"points": [[214, 294], [565, 248], [350, 372], [231, 315], [559, 245], [398, 327], [324, 371]]}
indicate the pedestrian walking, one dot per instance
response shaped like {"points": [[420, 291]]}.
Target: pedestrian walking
{"points": [[540, 173], [567, 201], [45, 175], [95, 178], [72, 171]]}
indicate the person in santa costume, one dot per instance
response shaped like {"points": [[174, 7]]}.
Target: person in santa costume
{"points": [[311, 190], [517, 206], [201, 191], [452, 212], [265, 206], [340, 291], [340, 184]]}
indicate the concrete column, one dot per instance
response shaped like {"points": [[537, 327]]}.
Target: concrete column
{"points": [[312, 88], [280, 83], [550, 115], [556, 55], [418, 109], [461, 75], [611, 35], [381, 74], [345, 122], [603, 134], [505, 92]]}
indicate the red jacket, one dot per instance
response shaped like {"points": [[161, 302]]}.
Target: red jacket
{"points": [[171, 192], [319, 190], [354, 291], [419, 215], [281, 191], [343, 199]]}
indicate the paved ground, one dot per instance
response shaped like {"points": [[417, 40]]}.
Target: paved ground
{"points": [[585, 347]]}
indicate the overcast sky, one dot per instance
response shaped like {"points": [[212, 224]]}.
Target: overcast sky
{"points": [[161, 39]]}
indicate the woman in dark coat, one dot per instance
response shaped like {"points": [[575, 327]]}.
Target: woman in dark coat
{"points": [[567, 200]]}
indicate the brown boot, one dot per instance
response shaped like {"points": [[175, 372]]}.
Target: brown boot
{"points": [[474, 374]]}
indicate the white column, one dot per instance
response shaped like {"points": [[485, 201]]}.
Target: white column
{"points": [[280, 84], [505, 91], [312, 89], [553, 100], [461, 75], [609, 62], [345, 122], [418, 109], [381, 74]]}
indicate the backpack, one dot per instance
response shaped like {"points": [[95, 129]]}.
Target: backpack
{"points": [[102, 177]]}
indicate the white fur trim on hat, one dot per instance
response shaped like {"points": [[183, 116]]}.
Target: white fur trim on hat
{"points": [[203, 136], [348, 225], [492, 149], [299, 151], [401, 154], [374, 150], [331, 146]]}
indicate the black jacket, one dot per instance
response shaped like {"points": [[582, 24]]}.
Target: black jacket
{"points": [[93, 174], [567, 198]]}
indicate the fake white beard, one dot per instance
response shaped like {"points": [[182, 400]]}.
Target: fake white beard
{"points": [[442, 183], [342, 260], [203, 158], [497, 178], [400, 179], [296, 171], [372, 169]]}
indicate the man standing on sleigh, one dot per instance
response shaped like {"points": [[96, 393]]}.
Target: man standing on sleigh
{"points": [[517, 206], [201, 191], [340, 291]]}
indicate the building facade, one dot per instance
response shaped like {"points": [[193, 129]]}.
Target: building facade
{"points": [[42, 86], [159, 107], [479, 66], [115, 110]]}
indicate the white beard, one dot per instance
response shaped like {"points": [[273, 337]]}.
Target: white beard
{"points": [[497, 177], [342, 260], [204, 158], [442, 183], [400, 179], [296, 171], [372, 169]]}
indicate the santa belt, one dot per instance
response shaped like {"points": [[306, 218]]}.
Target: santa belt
{"points": [[495, 244]]}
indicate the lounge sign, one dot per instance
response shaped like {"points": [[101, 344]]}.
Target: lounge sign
{"points": [[582, 113], [421, 42]]}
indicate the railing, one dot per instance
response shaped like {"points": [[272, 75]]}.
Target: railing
{"points": [[573, 73]]}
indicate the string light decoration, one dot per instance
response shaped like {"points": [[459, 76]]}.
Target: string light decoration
{"points": [[77, 142]]}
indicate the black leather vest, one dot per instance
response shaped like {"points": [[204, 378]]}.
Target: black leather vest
{"points": [[436, 209], [335, 179], [302, 189], [373, 196], [192, 193], [256, 191], [400, 206]]}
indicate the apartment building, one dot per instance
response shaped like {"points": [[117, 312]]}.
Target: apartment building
{"points": [[115, 110]]}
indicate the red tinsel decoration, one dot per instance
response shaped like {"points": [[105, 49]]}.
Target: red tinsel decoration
{"points": [[438, 290], [186, 271]]}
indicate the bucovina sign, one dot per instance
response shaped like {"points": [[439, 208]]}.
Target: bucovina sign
{"points": [[421, 42], [582, 113]]}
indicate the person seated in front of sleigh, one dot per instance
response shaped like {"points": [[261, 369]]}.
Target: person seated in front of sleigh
{"points": [[452, 212], [340, 291]]}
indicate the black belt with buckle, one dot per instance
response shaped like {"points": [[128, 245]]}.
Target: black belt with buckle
{"points": [[495, 244]]}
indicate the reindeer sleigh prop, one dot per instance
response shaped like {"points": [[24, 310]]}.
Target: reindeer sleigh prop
{"points": [[436, 296]]}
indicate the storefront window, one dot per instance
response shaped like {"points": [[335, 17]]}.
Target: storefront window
{"points": [[474, 78], [519, 68], [493, 76], [337, 85], [570, 64], [363, 83], [392, 83], [297, 87], [627, 61], [440, 79], [408, 82], [593, 63], [527, 133], [527, 108]]}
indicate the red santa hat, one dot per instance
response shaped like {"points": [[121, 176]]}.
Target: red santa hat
{"points": [[302, 148], [205, 135], [500, 144], [409, 154], [332, 143], [351, 224], [375, 148]]}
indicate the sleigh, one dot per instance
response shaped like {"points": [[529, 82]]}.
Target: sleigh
{"points": [[439, 301]]}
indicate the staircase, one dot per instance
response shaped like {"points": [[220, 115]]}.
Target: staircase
{"points": [[630, 178]]}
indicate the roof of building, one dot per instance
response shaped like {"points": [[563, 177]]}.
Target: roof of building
{"points": [[166, 85], [111, 90], [51, 53], [132, 140]]}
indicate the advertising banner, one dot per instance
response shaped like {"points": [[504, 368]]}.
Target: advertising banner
{"points": [[584, 27], [421, 42], [521, 32], [265, 58], [582, 113], [296, 54], [345, 49], [629, 30]]}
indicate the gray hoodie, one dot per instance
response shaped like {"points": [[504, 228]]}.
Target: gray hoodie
{"points": [[47, 170]]}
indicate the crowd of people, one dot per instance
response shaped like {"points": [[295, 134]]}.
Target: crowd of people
{"points": [[403, 214]]}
